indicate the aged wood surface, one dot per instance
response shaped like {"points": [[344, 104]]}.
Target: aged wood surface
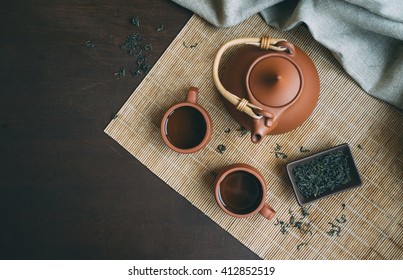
{"points": [[67, 190]]}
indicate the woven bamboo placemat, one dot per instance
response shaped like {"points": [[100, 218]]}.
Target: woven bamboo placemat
{"points": [[345, 114]]}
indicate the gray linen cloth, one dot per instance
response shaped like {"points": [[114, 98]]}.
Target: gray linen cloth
{"points": [[365, 36]]}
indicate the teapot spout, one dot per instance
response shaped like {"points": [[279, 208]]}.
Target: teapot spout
{"points": [[256, 137], [258, 130], [261, 127]]}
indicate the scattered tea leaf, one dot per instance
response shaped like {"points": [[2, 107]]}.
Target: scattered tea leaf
{"points": [[285, 228], [294, 222], [359, 147], [221, 148], [278, 153], [298, 225], [228, 130], [189, 46], [243, 130], [304, 212], [299, 246], [160, 28], [342, 219], [306, 228], [136, 72], [135, 21], [281, 155], [121, 72], [343, 206], [89, 44], [136, 48], [303, 150], [334, 230], [135, 53]]}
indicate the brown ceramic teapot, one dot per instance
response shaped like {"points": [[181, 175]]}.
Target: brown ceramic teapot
{"points": [[270, 86]]}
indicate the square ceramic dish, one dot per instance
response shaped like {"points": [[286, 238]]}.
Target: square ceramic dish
{"points": [[354, 182]]}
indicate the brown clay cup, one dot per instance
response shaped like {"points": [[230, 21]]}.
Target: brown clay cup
{"points": [[187, 127], [240, 191]]}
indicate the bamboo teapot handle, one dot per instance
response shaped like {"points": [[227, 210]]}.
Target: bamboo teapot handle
{"points": [[243, 105]]}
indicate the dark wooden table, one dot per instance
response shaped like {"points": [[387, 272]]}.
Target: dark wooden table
{"points": [[67, 190]]}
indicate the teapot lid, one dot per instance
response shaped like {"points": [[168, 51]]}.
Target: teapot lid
{"points": [[274, 80]]}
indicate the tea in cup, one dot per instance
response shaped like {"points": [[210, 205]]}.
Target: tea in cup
{"points": [[240, 191], [187, 127]]}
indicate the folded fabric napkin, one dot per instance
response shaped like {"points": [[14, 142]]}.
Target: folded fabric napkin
{"points": [[365, 36]]}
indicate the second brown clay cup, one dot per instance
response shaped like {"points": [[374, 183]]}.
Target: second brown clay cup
{"points": [[187, 127], [240, 190]]}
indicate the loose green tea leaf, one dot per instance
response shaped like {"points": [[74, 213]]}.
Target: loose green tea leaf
{"points": [[295, 222], [135, 21], [299, 246], [303, 150], [304, 212], [121, 72], [136, 72], [281, 155], [322, 174], [189, 46], [292, 220], [89, 44], [334, 230], [298, 225], [278, 153], [243, 130], [221, 148], [135, 47], [160, 28], [342, 219], [228, 130], [285, 228], [135, 53], [306, 228]]}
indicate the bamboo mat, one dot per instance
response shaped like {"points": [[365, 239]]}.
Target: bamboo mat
{"points": [[345, 114]]}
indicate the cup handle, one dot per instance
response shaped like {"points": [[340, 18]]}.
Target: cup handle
{"points": [[267, 212], [193, 93]]}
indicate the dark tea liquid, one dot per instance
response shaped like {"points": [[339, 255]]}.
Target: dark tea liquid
{"points": [[241, 192], [185, 127]]}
